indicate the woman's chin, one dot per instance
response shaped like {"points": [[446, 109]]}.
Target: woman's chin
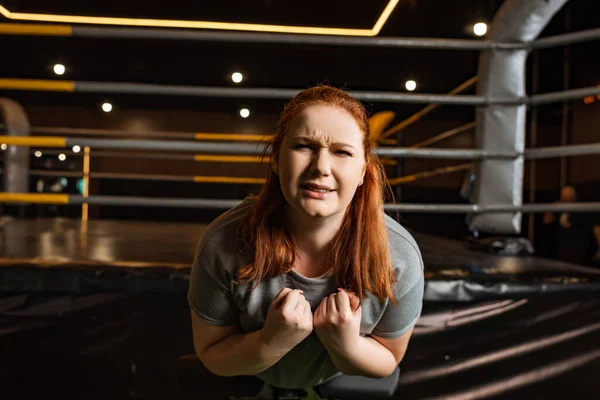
{"points": [[313, 208], [316, 210]]}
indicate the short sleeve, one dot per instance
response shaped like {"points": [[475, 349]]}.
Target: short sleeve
{"points": [[209, 293], [399, 318]]}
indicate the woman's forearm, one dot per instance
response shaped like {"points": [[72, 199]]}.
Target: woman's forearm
{"points": [[240, 354], [368, 358]]}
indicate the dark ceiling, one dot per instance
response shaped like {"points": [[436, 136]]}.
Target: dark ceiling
{"points": [[279, 66]]}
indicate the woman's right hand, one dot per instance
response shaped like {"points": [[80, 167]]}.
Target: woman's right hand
{"points": [[289, 320]]}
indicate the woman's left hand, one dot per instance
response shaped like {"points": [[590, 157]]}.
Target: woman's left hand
{"points": [[337, 321]]}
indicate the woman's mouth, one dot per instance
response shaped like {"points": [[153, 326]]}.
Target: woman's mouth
{"points": [[314, 191], [316, 188]]}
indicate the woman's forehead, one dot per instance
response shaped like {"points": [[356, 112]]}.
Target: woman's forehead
{"points": [[326, 123]]}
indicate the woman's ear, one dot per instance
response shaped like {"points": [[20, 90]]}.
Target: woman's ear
{"points": [[364, 171]]}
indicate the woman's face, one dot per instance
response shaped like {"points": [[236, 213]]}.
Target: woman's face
{"points": [[321, 161]]}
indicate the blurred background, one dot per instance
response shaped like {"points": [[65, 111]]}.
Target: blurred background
{"points": [[202, 63]]}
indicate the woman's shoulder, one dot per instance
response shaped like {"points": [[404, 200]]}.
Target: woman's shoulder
{"points": [[221, 233], [399, 236], [404, 250]]}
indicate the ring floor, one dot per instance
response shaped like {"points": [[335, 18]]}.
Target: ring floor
{"points": [[99, 310]]}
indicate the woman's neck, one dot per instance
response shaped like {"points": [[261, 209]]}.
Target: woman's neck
{"points": [[314, 236]]}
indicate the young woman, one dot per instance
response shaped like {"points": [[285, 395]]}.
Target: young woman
{"points": [[309, 279]]}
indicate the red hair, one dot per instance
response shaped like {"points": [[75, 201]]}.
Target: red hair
{"points": [[359, 254]]}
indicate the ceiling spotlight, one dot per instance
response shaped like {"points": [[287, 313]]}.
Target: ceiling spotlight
{"points": [[244, 113], [410, 85], [38, 154], [107, 107], [237, 77], [62, 157], [480, 29], [3, 146], [76, 149], [59, 69]]}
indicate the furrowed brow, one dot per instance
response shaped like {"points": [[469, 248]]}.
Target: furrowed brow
{"points": [[321, 142]]}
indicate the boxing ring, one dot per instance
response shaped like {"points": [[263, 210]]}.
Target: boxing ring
{"points": [[98, 308]]}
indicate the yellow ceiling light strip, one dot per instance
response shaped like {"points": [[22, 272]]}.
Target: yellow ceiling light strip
{"points": [[228, 26], [384, 17]]}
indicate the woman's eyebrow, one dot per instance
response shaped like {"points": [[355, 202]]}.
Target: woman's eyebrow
{"points": [[319, 141]]}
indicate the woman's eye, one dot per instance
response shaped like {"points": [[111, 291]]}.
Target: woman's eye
{"points": [[344, 153]]}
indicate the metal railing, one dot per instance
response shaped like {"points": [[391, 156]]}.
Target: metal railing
{"points": [[292, 39], [255, 149]]}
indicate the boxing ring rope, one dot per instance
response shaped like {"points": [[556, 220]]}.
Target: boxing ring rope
{"points": [[226, 92], [152, 177], [242, 137], [228, 179], [253, 149], [190, 157], [64, 199], [285, 94], [225, 137], [289, 39], [180, 157]]}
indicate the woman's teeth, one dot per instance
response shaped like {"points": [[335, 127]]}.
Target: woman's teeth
{"points": [[312, 189]]}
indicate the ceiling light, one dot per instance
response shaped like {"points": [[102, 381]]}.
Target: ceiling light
{"points": [[107, 107], [59, 69], [183, 24], [480, 29], [62, 157], [410, 85], [3, 146], [38, 154], [76, 149], [244, 113], [237, 77]]}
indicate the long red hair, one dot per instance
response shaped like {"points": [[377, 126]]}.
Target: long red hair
{"points": [[359, 253]]}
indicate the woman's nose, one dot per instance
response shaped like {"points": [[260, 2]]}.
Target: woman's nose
{"points": [[321, 163]]}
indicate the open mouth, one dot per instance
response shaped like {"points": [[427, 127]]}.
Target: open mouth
{"points": [[316, 188]]}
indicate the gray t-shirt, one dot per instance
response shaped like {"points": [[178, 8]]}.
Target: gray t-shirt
{"points": [[218, 301]]}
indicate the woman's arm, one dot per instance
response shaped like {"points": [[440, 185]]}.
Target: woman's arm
{"points": [[337, 324], [372, 356], [226, 352]]}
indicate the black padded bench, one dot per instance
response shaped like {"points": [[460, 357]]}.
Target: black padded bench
{"points": [[193, 376]]}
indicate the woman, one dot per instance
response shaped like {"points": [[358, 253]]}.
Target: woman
{"points": [[310, 279]]}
